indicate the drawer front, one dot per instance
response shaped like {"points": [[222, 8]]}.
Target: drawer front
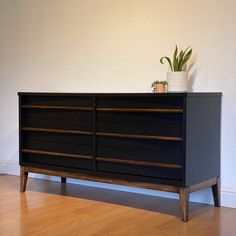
{"points": [[54, 160], [56, 131], [61, 143], [128, 135], [57, 119], [154, 116], [141, 136], [141, 123], [150, 158], [56, 100], [140, 150], [57, 112], [140, 170], [70, 150], [140, 102]]}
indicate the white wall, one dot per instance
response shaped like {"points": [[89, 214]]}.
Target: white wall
{"points": [[115, 46]]}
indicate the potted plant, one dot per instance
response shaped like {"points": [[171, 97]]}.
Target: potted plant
{"points": [[177, 78], [159, 86]]}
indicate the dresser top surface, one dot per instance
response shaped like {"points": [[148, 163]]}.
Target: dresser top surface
{"points": [[188, 94]]}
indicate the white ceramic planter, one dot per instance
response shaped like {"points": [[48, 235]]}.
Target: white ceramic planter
{"points": [[177, 81]]}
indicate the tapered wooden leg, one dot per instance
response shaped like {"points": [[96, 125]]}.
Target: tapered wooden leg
{"points": [[216, 192], [184, 203], [63, 180], [23, 179]]}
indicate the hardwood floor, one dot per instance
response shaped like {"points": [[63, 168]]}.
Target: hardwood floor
{"points": [[50, 208]]}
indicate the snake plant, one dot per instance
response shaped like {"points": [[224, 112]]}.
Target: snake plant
{"points": [[179, 59]]}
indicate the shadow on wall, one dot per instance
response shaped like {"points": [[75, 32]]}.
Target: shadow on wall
{"points": [[191, 80], [192, 71], [198, 77], [9, 153]]}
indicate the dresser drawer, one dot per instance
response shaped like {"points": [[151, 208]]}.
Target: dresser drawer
{"points": [[54, 100], [140, 102], [57, 119], [140, 170], [141, 150], [144, 123], [55, 160]]}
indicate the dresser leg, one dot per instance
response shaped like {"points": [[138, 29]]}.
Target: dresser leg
{"points": [[216, 192], [63, 180], [23, 179], [184, 203]]}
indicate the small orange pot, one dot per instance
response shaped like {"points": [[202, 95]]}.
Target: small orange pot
{"points": [[160, 88]]}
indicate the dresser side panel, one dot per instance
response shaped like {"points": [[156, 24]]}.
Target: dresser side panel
{"points": [[203, 120]]}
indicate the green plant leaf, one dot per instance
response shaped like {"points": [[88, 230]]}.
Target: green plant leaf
{"points": [[168, 60], [154, 83], [175, 59], [186, 58], [179, 60], [183, 58], [175, 64]]}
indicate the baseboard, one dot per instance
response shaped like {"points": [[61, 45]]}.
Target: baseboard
{"points": [[228, 197], [9, 168], [204, 196]]}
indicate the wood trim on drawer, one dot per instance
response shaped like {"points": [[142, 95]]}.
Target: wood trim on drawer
{"points": [[62, 131], [139, 136], [165, 110], [114, 135], [86, 157], [57, 107], [143, 163]]}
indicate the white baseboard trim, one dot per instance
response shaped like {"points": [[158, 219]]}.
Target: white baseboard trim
{"points": [[228, 196], [9, 168]]}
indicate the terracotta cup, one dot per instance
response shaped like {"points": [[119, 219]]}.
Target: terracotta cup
{"points": [[160, 88]]}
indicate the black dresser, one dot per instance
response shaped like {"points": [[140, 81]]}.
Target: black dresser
{"points": [[168, 141]]}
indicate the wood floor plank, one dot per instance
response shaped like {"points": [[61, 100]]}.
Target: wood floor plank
{"points": [[50, 208]]}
